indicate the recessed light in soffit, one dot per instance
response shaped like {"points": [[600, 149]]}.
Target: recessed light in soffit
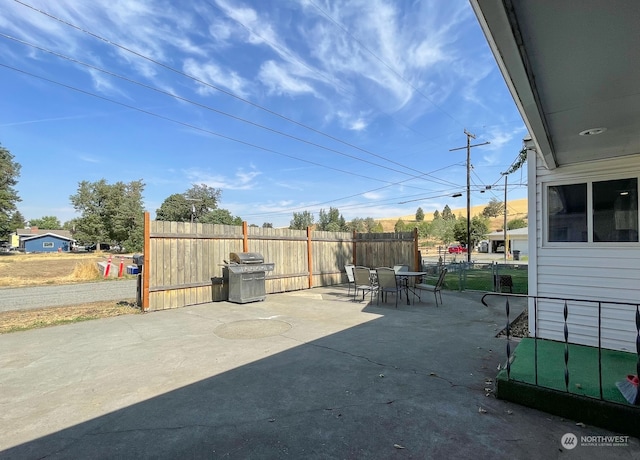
{"points": [[592, 131]]}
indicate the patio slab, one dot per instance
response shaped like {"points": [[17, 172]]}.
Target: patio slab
{"points": [[307, 374]]}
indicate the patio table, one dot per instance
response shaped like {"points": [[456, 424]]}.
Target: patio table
{"points": [[408, 288]]}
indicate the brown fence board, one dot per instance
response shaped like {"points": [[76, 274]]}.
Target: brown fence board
{"points": [[183, 257]]}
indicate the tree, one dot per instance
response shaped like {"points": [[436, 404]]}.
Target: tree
{"points": [[419, 215], [516, 223], [46, 223], [17, 221], [301, 220], [175, 208], [194, 204], [267, 225], [220, 216], [424, 229], [479, 228], [357, 225], [495, 208], [447, 214], [9, 173], [331, 221], [436, 215], [372, 225], [400, 226], [110, 213], [442, 229]]}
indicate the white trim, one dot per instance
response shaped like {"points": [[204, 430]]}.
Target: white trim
{"points": [[588, 180], [47, 234]]}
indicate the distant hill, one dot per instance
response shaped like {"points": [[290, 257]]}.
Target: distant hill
{"points": [[515, 209]]}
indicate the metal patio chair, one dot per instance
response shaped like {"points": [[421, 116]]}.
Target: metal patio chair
{"points": [[436, 289], [363, 282], [350, 277], [388, 282]]}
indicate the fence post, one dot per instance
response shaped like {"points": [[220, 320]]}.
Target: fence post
{"points": [[417, 264], [309, 257], [354, 248], [146, 270], [245, 237]]}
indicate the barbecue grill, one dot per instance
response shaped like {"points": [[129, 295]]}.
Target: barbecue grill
{"points": [[246, 273]]}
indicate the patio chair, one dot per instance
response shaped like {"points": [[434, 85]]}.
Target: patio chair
{"points": [[388, 282], [399, 269], [363, 282], [352, 281], [436, 289]]}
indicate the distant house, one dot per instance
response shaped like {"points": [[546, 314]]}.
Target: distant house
{"points": [[48, 242], [22, 234], [518, 241], [35, 240]]}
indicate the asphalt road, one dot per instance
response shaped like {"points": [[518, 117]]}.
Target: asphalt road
{"points": [[25, 298]]}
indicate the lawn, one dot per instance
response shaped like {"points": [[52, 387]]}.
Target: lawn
{"points": [[481, 279]]}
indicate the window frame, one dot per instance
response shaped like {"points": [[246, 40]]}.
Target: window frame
{"points": [[590, 243], [48, 244]]}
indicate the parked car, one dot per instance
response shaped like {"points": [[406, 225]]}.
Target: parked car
{"points": [[457, 249], [103, 247]]}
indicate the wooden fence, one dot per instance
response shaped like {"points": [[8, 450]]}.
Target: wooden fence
{"points": [[181, 258]]}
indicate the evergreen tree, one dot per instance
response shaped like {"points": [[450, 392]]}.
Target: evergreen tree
{"points": [[301, 220], [419, 215]]}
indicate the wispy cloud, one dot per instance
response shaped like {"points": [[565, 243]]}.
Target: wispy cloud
{"points": [[242, 180], [280, 80]]}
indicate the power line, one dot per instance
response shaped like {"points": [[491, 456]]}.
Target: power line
{"points": [[333, 81], [189, 125], [206, 107], [209, 85]]}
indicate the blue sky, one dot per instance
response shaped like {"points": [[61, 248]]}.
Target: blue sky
{"points": [[284, 105]]}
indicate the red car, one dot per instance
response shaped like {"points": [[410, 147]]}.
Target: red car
{"points": [[457, 249]]}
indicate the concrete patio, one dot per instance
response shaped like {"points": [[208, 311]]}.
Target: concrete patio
{"points": [[306, 374]]}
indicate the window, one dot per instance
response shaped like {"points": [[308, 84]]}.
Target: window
{"points": [[613, 216], [567, 208], [615, 210], [47, 244]]}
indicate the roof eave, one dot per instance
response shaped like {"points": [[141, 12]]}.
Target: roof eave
{"points": [[500, 29]]}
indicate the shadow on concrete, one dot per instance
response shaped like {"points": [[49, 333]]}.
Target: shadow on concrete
{"points": [[414, 382]]}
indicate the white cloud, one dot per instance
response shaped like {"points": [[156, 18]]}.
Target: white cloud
{"points": [[242, 180], [281, 81], [373, 196], [212, 74]]}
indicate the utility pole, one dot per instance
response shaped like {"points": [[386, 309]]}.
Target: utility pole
{"points": [[506, 236], [468, 147]]}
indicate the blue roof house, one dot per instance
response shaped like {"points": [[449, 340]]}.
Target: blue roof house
{"points": [[49, 242]]}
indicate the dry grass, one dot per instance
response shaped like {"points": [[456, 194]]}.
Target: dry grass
{"points": [[17, 269], [22, 320], [515, 209], [20, 270]]}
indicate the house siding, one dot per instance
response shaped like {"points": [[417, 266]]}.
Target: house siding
{"points": [[607, 272], [37, 244]]}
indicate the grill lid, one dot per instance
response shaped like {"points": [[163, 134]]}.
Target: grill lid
{"points": [[246, 258]]}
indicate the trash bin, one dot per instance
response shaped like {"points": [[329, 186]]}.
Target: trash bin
{"points": [[516, 255], [219, 289]]}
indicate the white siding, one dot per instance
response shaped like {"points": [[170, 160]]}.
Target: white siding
{"points": [[609, 272]]}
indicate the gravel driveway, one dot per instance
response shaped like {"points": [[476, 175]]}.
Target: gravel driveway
{"points": [[25, 298]]}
